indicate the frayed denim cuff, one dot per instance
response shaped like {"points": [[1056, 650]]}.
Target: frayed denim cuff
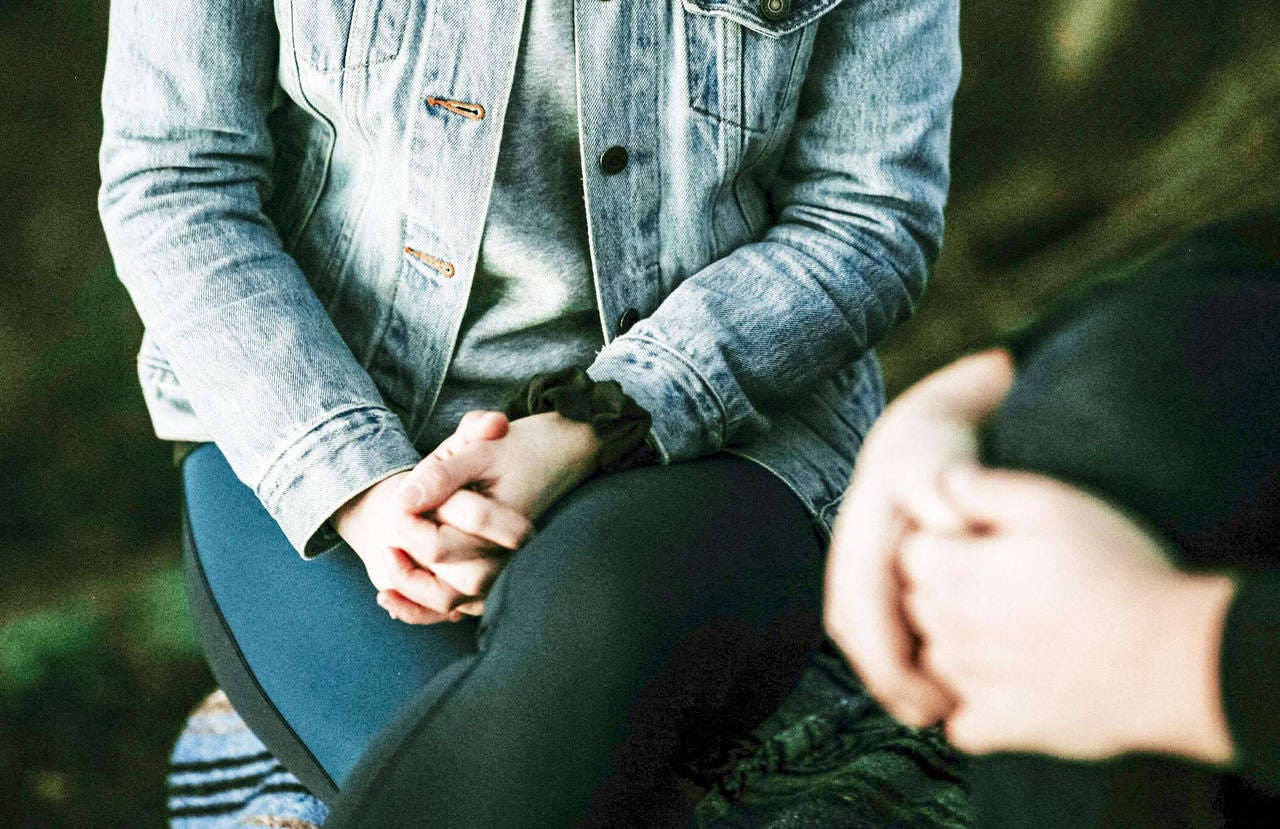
{"points": [[327, 465], [688, 419]]}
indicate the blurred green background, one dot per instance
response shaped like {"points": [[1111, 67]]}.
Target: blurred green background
{"points": [[1085, 130]]}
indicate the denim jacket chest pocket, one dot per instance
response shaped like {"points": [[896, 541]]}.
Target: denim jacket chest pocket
{"points": [[746, 56], [330, 36]]}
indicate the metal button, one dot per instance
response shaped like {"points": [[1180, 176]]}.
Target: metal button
{"points": [[629, 318], [775, 9], [613, 160]]}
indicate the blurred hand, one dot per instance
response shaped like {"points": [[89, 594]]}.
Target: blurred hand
{"points": [[897, 486], [1061, 627], [462, 535], [520, 473]]}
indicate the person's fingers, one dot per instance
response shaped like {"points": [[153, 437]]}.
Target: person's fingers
{"points": [[431, 482], [471, 577], [944, 658], [430, 543], [973, 729], [475, 607], [482, 517], [995, 498], [936, 572], [412, 613], [864, 618], [474, 425], [420, 538], [480, 424], [420, 585], [933, 622], [936, 562], [448, 469], [920, 492]]}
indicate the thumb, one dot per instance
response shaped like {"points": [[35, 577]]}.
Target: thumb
{"points": [[995, 498], [482, 425], [436, 479], [474, 426]]}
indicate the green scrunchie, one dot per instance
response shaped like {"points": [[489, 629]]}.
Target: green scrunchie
{"points": [[621, 423]]}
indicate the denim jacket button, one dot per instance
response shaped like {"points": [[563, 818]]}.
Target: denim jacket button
{"points": [[629, 318], [775, 9], [613, 160]]}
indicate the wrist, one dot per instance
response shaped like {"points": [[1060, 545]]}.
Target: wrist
{"points": [[347, 516], [578, 442], [620, 425], [1187, 717]]}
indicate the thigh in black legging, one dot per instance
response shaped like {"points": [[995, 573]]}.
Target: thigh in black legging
{"points": [[655, 612]]}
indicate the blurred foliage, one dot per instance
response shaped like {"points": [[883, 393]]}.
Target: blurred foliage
{"points": [[1085, 130], [91, 692]]}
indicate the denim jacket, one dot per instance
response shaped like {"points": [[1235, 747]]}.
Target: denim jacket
{"points": [[294, 193]]}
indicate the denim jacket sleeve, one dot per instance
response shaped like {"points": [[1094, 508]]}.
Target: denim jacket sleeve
{"points": [[186, 161], [859, 192]]}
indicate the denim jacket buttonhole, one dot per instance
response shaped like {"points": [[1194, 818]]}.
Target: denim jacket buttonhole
{"points": [[473, 111], [442, 267]]}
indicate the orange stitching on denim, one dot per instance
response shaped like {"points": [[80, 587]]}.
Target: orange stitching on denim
{"points": [[473, 111], [444, 268]]}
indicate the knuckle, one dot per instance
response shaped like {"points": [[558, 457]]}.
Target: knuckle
{"points": [[524, 527], [422, 543], [962, 735], [419, 588], [469, 512], [469, 582], [900, 710], [401, 577], [432, 475]]}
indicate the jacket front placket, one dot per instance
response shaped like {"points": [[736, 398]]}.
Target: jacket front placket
{"points": [[466, 71], [620, 46]]}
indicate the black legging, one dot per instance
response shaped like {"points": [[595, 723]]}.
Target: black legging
{"points": [[656, 615]]}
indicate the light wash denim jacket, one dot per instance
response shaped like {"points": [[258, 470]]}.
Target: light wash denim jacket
{"points": [[294, 193]]}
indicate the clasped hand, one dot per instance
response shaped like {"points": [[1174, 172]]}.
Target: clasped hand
{"points": [[434, 539], [1024, 613]]}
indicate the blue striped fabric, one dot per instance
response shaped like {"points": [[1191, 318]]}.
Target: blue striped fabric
{"points": [[222, 777]]}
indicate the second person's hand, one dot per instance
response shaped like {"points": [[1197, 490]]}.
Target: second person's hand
{"points": [[897, 487]]}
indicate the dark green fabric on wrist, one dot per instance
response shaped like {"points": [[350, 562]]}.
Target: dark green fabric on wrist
{"points": [[621, 424], [1251, 676]]}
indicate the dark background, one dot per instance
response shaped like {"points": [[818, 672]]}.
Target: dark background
{"points": [[1085, 130]]}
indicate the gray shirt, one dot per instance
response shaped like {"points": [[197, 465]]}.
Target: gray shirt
{"points": [[532, 306]]}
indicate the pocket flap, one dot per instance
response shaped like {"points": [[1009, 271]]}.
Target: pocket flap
{"points": [[771, 18]]}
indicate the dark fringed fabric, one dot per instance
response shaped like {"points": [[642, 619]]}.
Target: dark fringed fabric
{"points": [[621, 424], [829, 757]]}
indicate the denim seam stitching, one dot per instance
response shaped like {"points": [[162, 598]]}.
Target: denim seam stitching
{"points": [[328, 420], [718, 411], [729, 11]]}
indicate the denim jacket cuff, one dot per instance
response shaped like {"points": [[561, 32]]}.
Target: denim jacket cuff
{"points": [[326, 466], [688, 418]]}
